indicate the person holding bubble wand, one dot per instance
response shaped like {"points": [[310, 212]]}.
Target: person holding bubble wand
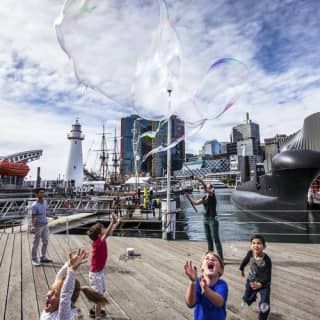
{"points": [[211, 222]]}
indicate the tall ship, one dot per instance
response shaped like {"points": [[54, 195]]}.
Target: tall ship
{"points": [[106, 171]]}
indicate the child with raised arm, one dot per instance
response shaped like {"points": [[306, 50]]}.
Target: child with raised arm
{"points": [[65, 290], [259, 276], [99, 255], [210, 217], [207, 293]]}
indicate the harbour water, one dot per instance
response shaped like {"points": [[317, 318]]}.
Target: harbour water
{"points": [[235, 224], [238, 225]]}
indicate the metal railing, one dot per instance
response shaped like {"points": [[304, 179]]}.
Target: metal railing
{"points": [[303, 224]]}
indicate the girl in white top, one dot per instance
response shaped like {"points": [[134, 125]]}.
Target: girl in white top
{"points": [[59, 304]]}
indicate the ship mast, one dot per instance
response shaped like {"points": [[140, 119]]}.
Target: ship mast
{"points": [[115, 157], [103, 172], [104, 157]]}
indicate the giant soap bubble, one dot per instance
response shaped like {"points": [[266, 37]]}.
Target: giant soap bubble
{"points": [[158, 71], [129, 51], [190, 129], [219, 90], [105, 39]]}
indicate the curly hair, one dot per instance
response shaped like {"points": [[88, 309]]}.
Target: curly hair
{"points": [[95, 231]]}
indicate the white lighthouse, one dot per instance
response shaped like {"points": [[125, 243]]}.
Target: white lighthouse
{"points": [[75, 163]]}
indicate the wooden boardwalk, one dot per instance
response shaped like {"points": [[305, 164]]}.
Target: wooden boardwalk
{"points": [[153, 285]]}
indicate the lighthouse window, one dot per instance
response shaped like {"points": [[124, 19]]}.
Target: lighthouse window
{"points": [[74, 167], [75, 142]]}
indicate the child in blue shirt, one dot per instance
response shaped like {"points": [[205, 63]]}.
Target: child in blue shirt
{"points": [[208, 293]]}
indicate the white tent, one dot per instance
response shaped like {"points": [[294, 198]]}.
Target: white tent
{"points": [[138, 180]]}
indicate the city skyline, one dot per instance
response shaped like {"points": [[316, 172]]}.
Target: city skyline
{"points": [[40, 97]]}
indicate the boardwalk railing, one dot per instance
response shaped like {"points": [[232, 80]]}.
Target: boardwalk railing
{"points": [[298, 225]]}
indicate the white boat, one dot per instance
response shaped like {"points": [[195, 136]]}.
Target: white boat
{"points": [[215, 182]]}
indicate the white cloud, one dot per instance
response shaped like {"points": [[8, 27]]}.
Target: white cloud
{"points": [[40, 97]]}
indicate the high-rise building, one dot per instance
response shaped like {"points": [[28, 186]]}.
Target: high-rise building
{"points": [[132, 129], [231, 148], [223, 145], [178, 153], [246, 137], [272, 147], [246, 130], [211, 147]]}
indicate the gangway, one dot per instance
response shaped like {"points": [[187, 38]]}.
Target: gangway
{"points": [[18, 207]]}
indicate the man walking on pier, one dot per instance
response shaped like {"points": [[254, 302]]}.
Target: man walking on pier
{"points": [[39, 226], [210, 219]]}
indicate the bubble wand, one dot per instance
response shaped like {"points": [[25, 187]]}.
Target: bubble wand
{"points": [[192, 175]]}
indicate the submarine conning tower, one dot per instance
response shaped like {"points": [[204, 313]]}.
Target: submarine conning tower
{"points": [[294, 171]]}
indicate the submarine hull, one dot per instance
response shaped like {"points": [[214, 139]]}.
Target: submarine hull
{"points": [[285, 188]]}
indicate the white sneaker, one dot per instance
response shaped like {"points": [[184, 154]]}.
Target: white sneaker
{"points": [[264, 307], [36, 263]]}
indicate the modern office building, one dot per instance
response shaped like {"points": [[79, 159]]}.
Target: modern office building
{"points": [[203, 167], [272, 147], [131, 129], [231, 148], [132, 138], [223, 146], [126, 145], [211, 147], [245, 138], [246, 130]]}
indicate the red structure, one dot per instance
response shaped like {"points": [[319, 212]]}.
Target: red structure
{"points": [[8, 168]]}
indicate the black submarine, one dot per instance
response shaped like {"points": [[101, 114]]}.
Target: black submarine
{"points": [[285, 188]]}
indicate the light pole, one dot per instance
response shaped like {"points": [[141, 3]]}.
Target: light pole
{"points": [[167, 219]]}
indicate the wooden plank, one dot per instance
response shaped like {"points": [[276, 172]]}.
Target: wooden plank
{"points": [[3, 243], [236, 284], [114, 310], [153, 286], [14, 310], [147, 288], [5, 274], [29, 298], [41, 284]]}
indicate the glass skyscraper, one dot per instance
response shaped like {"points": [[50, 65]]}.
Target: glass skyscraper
{"points": [[132, 128]]}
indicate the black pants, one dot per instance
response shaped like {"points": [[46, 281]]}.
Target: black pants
{"points": [[250, 296]]}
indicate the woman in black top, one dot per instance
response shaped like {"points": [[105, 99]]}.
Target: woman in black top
{"points": [[210, 220]]}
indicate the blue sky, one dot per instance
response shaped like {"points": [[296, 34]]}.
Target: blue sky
{"points": [[40, 96]]}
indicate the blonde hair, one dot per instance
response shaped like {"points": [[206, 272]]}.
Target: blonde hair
{"points": [[216, 256]]}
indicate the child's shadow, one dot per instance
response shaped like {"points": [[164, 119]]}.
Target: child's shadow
{"points": [[53, 264], [229, 262], [275, 316]]}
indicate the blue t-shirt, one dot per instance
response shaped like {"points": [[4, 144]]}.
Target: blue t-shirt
{"points": [[39, 212], [204, 309]]}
